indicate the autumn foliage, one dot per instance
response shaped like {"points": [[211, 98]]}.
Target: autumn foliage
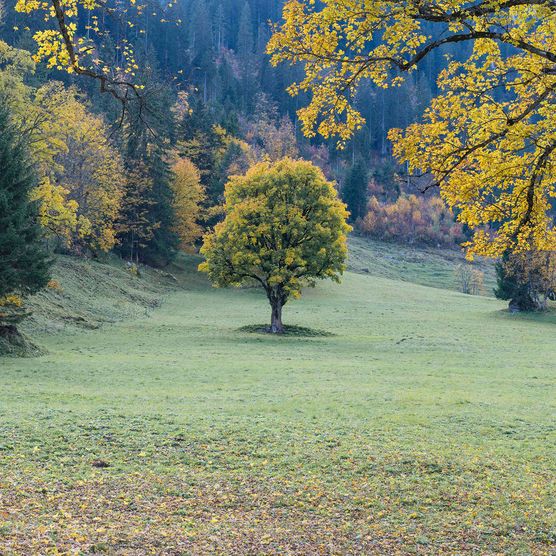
{"points": [[411, 219], [487, 140], [284, 229], [81, 172], [188, 196]]}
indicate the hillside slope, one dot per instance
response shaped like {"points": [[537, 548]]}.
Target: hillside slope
{"points": [[88, 294], [85, 294], [422, 424], [428, 266]]}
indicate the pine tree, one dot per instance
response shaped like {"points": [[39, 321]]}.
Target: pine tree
{"points": [[24, 265], [198, 140], [354, 192], [163, 247], [150, 237], [245, 40], [136, 224]]}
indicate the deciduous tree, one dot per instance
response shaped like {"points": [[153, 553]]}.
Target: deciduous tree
{"points": [[81, 172], [188, 196], [284, 228], [488, 139], [82, 160]]}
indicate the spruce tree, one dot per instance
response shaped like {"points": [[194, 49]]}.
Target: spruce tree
{"points": [[24, 264], [245, 40], [354, 192], [163, 246], [147, 220]]}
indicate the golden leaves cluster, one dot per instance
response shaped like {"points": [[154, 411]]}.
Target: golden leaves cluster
{"points": [[489, 138], [284, 227]]}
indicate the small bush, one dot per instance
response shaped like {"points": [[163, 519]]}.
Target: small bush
{"points": [[470, 280], [411, 219]]}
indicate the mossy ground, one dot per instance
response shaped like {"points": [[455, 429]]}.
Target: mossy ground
{"points": [[423, 424]]}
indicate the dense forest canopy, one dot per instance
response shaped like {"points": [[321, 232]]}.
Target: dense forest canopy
{"points": [[138, 112], [216, 51], [186, 81]]}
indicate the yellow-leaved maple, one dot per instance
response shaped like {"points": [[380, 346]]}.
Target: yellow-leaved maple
{"points": [[284, 229], [488, 139], [188, 196]]}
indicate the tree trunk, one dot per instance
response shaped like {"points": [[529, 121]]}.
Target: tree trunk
{"points": [[529, 302], [276, 326], [13, 343], [277, 299]]}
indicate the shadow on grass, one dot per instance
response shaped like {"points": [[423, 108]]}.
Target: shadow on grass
{"points": [[541, 317], [289, 331]]}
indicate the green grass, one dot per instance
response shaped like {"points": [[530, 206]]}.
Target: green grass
{"points": [[427, 266], [424, 423]]}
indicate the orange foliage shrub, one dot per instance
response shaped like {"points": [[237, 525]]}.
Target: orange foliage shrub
{"points": [[411, 219]]}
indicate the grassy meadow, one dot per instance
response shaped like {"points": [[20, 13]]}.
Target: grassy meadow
{"points": [[422, 423]]}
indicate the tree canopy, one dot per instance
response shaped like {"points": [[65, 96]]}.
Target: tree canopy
{"points": [[188, 196], [487, 140], [24, 264], [284, 228]]}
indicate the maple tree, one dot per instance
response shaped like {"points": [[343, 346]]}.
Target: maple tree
{"points": [[488, 139], [284, 228], [61, 45], [86, 164], [81, 172]]}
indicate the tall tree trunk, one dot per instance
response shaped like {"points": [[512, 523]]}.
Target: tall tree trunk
{"points": [[277, 299], [276, 326]]}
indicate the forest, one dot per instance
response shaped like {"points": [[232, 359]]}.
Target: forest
{"points": [[376, 177]]}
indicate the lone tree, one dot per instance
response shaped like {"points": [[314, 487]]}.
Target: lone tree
{"points": [[24, 265], [284, 228]]}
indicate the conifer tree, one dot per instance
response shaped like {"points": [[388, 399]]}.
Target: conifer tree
{"points": [[354, 192], [24, 265], [245, 40]]}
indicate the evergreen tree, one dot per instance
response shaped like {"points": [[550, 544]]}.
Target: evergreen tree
{"points": [[199, 141], [201, 48], [508, 287], [354, 192], [147, 222], [24, 265], [163, 247], [245, 40], [136, 223], [151, 240]]}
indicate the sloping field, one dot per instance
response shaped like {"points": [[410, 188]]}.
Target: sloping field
{"points": [[422, 424]]}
